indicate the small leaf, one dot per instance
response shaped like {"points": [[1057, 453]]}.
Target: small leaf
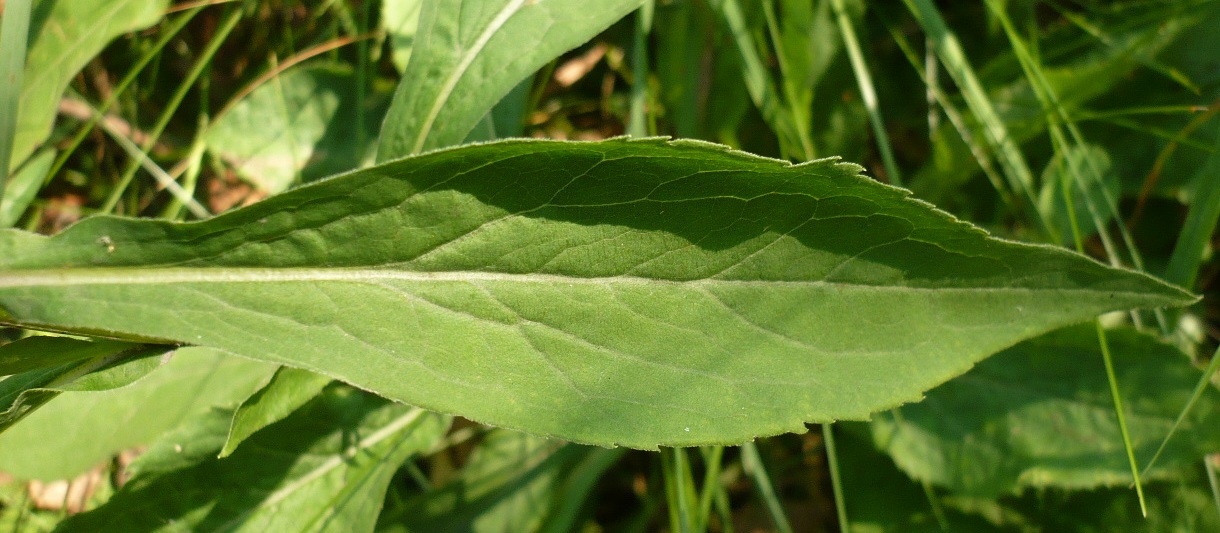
{"points": [[467, 55], [1087, 170], [325, 468], [33, 353], [1039, 414], [624, 292], [86, 366], [297, 127], [289, 389], [196, 440], [77, 430], [23, 186]]}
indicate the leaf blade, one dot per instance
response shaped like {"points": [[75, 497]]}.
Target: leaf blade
{"points": [[634, 292], [466, 58]]}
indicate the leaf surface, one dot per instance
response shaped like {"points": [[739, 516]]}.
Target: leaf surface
{"points": [[289, 389], [76, 430], [1039, 414], [466, 56], [325, 468], [300, 126], [624, 292], [72, 365]]}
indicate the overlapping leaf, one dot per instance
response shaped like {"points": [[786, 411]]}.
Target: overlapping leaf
{"points": [[466, 56], [1040, 414], [622, 292], [87, 425], [326, 468]]}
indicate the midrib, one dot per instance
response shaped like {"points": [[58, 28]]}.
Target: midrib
{"points": [[154, 275], [173, 275]]}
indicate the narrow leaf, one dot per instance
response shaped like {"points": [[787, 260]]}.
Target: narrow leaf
{"points": [[90, 367], [1200, 224], [400, 19], [289, 389], [77, 430], [467, 55], [33, 353], [23, 186], [326, 468], [1040, 414], [623, 292], [14, 29]]}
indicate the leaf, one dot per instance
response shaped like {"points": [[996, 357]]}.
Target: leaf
{"points": [[623, 292], [1199, 226], [1039, 414], [401, 20], [77, 430], [325, 468], [14, 36], [514, 483], [85, 366], [1087, 170], [1184, 505], [289, 389], [289, 130], [66, 34], [33, 353], [468, 55], [881, 498], [23, 186], [196, 440]]}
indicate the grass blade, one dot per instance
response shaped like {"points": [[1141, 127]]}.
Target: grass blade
{"points": [[188, 81], [639, 123], [1205, 381], [836, 481], [953, 57], [751, 461], [14, 32], [865, 81], [1122, 417]]}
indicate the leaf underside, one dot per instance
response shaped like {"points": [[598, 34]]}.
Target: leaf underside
{"points": [[625, 292]]}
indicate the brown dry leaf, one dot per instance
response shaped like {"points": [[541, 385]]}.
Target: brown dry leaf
{"points": [[578, 67], [64, 495]]}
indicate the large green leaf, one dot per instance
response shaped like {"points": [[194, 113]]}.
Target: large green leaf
{"points": [[467, 55], [77, 430], [881, 498], [325, 468], [1040, 414], [64, 35], [623, 292]]}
